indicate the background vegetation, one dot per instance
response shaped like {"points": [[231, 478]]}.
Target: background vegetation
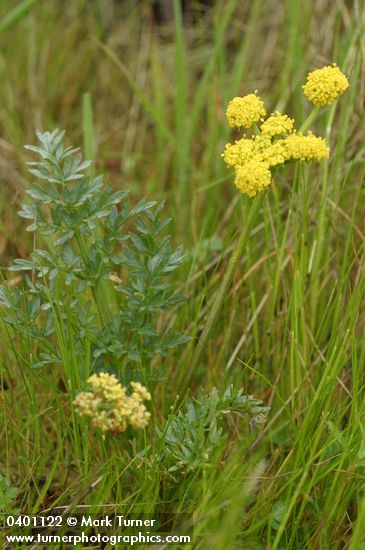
{"points": [[146, 97]]}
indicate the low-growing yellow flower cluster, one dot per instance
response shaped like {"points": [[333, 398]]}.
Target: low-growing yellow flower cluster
{"points": [[109, 406], [275, 140]]}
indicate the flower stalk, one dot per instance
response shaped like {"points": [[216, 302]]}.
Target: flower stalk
{"points": [[273, 143], [222, 291], [310, 119]]}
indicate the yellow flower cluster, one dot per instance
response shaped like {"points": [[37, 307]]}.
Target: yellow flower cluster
{"points": [[307, 147], [243, 112], [277, 125], [259, 148], [324, 85], [252, 158], [273, 152], [252, 177], [239, 152], [109, 406], [277, 142]]}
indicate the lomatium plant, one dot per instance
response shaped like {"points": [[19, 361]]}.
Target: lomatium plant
{"points": [[274, 141], [91, 296], [93, 291]]}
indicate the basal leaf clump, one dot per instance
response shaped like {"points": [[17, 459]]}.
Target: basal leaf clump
{"points": [[99, 276]]}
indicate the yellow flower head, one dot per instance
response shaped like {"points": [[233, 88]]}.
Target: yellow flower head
{"points": [[324, 85], [273, 153], [239, 152], [109, 406], [277, 124], [309, 147], [253, 177], [244, 111], [276, 153]]}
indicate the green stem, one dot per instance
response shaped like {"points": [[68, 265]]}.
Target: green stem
{"points": [[308, 121], [359, 529], [94, 289], [222, 291]]}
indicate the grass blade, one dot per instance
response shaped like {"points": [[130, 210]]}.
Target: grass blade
{"points": [[16, 14]]}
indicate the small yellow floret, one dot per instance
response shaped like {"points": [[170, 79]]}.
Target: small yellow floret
{"points": [[309, 147], [245, 111], [109, 406], [324, 85], [253, 177], [277, 124]]}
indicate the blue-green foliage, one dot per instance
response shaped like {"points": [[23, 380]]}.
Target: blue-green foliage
{"points": [[101, 278], [192, 436]]}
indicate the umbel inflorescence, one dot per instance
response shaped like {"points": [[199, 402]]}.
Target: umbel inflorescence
{"points": [[109, 407], [276, 140], [324, 85]]}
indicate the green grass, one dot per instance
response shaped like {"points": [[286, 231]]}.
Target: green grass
{"points": [[147, 102]]}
